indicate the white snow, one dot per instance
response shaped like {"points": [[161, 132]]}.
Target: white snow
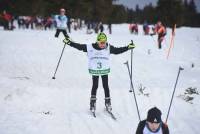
{"points": [[32, 103]]}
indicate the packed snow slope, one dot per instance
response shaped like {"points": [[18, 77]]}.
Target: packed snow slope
{"points": [[33, 103]]}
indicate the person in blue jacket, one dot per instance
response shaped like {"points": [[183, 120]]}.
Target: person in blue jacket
{"points": [[61, 23]]}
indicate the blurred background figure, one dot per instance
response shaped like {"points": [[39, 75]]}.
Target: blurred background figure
{"points": [[7, 21], [101, 27], [110, 27], [133, 28], [146, 28], [61, 23], [161, 31]]}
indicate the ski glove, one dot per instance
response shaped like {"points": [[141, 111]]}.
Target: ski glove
{"points": [[131, 45], [67, 40]]}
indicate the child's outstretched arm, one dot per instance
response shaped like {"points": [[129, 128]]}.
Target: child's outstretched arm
{"points": [[81, 47], [115, 50]]}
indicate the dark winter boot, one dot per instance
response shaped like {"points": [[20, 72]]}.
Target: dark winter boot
{"points": [[93, 103], [108, 104], [159, 45]]}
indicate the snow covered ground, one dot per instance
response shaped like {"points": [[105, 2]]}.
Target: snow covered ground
{"points": [[32, 103]]}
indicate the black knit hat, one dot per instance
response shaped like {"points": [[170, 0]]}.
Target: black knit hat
{"points": [[154, 115]]}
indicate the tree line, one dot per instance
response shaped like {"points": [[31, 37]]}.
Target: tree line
{"points": [[181, 12]]}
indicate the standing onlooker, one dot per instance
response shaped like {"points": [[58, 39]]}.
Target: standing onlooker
{"points": [[96, 27], [61, 23], [20, 22], [69, 24], [6, 20], [101, 27], [110, 28], [146, 28], [89, 27], [48, 23]]}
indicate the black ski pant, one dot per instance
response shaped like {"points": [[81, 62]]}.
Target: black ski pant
{"points": [[160, 39], [95, 80], [61, 30], [6, 25]]}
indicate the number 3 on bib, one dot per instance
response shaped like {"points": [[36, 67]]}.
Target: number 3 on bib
{"points": [[99, 65]]}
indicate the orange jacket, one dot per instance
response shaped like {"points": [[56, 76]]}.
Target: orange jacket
{"points": [[161, 30]]}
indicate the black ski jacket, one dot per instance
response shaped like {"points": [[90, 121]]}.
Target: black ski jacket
{"points": [[113, 50], [141, 126]]}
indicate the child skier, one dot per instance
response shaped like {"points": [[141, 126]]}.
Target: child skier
{"points": [[61, 23], [99, 57], [153, 124]]}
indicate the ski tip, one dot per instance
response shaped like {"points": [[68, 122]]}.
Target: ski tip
{"points": [[112, 115], [94, 115]]}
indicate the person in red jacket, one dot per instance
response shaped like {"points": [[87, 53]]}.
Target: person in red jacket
{"points": [[153, 124], [6, 19]]}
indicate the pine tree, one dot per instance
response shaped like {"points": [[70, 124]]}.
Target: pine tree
{"points": [[192, 7], [170, 12], [149, 13], [190, 14]]}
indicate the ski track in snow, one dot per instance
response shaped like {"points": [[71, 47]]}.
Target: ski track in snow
{"points": [[31, 102]]}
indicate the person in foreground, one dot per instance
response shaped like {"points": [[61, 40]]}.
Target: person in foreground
{"points": [[99, 64], [153, 124]]}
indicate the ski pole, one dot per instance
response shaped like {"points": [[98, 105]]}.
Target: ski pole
{"points": [[153, 39], [59, 62], [131, 65], [133, 90], [180, 69], [171, 41]]}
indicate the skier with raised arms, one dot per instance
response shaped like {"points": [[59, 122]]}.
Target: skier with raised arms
{"points": [[98, 64]]}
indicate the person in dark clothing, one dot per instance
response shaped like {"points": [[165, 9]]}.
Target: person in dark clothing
{"points": [[110, 28], [6, 20], [146, 28], [101, 27], [69, 24], [89, 27], [98, 59], [153, 124]]}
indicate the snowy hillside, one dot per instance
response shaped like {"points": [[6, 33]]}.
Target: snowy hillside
{"points": [[32, 103]]}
